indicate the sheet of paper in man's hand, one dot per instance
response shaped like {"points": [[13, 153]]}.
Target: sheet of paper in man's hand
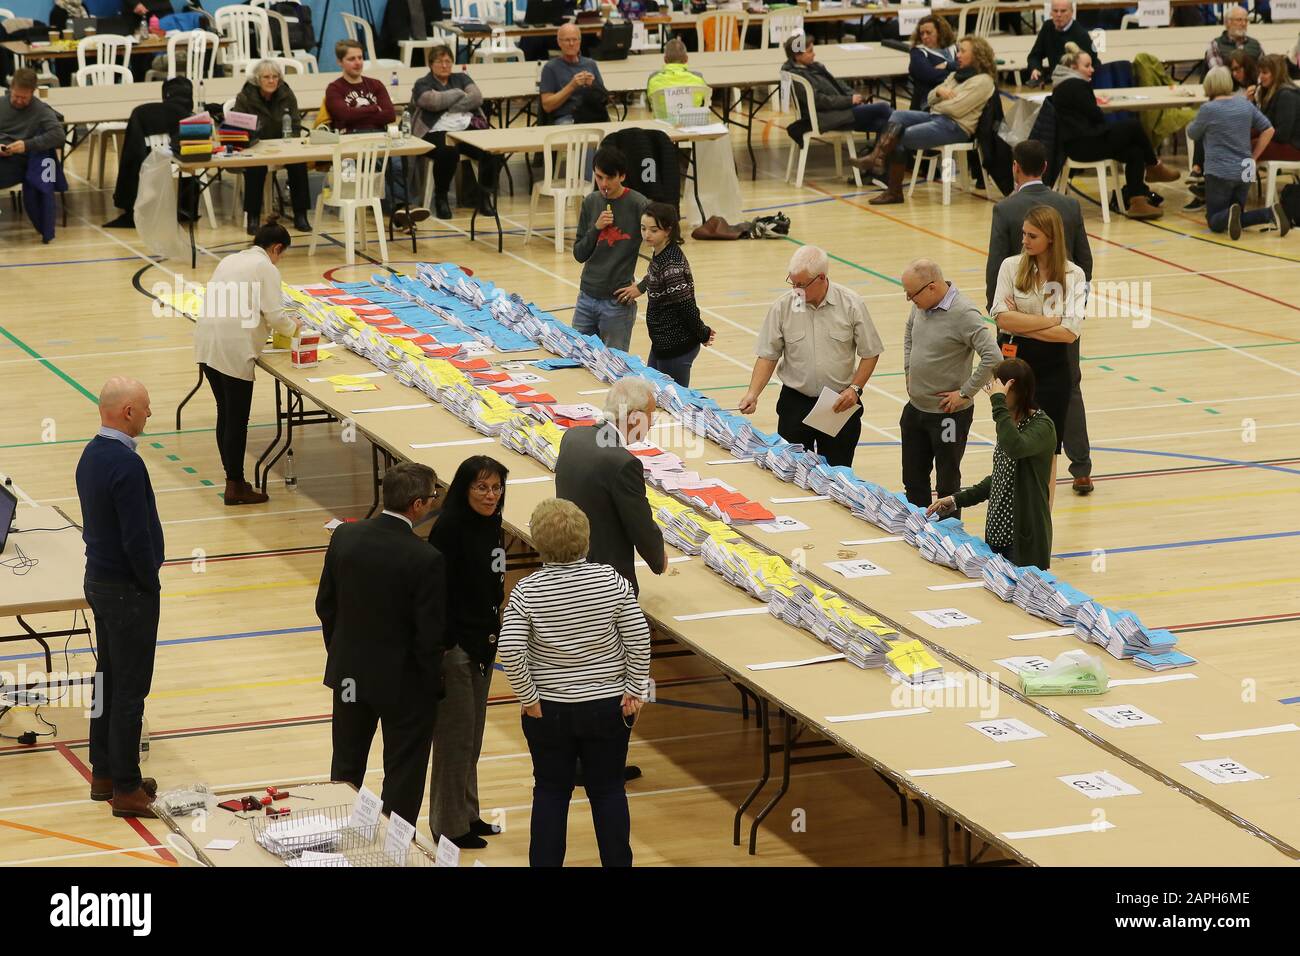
{"points": [[823, 418]]}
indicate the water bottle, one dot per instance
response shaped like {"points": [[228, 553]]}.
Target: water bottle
{"points": [[510, 13], [290, 476], [286, 125], [406, 125], [144, 740], [201, 103], [393, 81]]}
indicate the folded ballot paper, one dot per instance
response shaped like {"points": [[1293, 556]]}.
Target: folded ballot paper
{"points": [[1072, 673], [910, 663]]}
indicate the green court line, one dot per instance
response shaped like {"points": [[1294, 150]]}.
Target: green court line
{"points": [[851, 264], [1212, 411], [1131, 378], [190, 471], [1156, 388], [1187, 401], [169, 457], [48, 364], [1210, 348], [1105, 368], [204, 481]]}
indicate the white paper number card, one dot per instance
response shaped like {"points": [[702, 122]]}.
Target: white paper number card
{"points": [[1223, 770], [1005, 731], [1099, 785], [1122, 716]]}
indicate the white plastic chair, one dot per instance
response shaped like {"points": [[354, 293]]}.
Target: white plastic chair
{"points": [[239, 24], [835, 138], [1107, 182], [1278, 167], [438, 36], [362, 189], [498, 48], [280, 25], [777, 27], [103, 74], [1129, 20], [162, 139], [197, 43], [728, 30], [575, 144], [108, 48], [360, 31], [948, 164]]}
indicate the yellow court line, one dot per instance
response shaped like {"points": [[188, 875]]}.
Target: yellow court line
{"points": [[254, 685], [1164, 503], [264, 586], [1233, 586], [71, 838]]}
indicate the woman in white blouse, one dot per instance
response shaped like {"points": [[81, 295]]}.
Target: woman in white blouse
{"points": [[241, 300], [1039, 305]]}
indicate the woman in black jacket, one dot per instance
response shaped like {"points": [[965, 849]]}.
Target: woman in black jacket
{"points": [[1088, 138], [469, 536], [1278, 98], [445, 101], [268, 97]]}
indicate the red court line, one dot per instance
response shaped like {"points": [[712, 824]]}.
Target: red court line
{"points": [[1258, 619], [133, 822]]}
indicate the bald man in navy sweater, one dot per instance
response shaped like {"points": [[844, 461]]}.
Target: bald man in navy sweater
{"points": [[124, 550]]}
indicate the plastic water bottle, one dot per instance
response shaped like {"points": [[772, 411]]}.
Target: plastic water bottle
{"points": [[286, 125], [393, 80], [202, 101], [406, 124], [290, 476], [510, 13], [144, 740]]}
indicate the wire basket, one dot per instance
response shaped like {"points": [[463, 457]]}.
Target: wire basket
{"points": [[372, 857], [322, 831], [697, 116]]}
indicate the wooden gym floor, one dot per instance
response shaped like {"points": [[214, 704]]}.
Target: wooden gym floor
{"points": [[1192, 417]]}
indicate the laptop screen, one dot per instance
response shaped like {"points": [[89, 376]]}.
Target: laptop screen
{"points": [[8, 505]]}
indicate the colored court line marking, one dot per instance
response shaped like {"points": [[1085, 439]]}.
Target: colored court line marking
{"points": [[66, 262], [1180, 544], [189, 640], [48, 364], [1255, 621], [849, 263], [133, 822], [1093, 506], [82, 841], [1198, 589], [899, 222]]}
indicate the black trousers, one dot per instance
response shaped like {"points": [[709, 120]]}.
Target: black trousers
{"points": [[447, 156], [408, 739], [234, 402], [126, 634], [595, 732], [255, 183], [1077, 447], [1125, 142], [791, 409], [933, 440]]}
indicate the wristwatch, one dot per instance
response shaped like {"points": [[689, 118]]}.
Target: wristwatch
{"points": [[856, 388]]}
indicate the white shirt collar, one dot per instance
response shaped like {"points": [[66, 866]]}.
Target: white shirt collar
{"points": [[113, 433], [394, 514], [946, 302], [1029, 182]]}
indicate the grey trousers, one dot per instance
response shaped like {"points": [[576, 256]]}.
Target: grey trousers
{"points": [[1075, 438], [457, 742]]}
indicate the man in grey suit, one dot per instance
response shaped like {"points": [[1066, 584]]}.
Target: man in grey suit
{"points": [[597, 473], [1028, 163]]}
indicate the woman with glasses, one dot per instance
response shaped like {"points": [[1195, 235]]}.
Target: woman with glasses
{"points": [[468, 534]]}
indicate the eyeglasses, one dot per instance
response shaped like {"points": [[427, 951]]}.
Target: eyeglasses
{"points": [[911, 296], [484, 489], [804, 285]]}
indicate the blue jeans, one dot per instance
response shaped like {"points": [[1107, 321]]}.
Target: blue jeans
{"points": [[871, 117], [595, 732], [126, 634], [927, 130], [611, 319], [677, 368], [1221, 194]]}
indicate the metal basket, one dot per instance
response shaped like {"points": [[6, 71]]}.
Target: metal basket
{"points": [[375, 857], [324, 830], [699, 116]]}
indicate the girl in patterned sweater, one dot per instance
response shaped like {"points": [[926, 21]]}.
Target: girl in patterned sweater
{"points": [[672, 317]]}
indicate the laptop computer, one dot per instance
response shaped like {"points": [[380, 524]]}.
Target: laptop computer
{"points": [[544, 12], [8, 505]]}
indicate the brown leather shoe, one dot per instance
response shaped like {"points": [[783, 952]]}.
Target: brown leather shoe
{"points": [[101, 788], [1140, 208], [1083, 486], [137, 803], [715, 227], [1160, 173], [894, 191], [242, 493]]}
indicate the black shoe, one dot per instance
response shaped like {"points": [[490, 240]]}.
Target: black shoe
{"points": [[301, 222], [418, 214], [631, 772], [1234, 221], [1282, 219], [486, 206], [251, 225], [1197, 202], [1197, 189], [481, 829], [124, 221], [440, 207], [469, 841]]}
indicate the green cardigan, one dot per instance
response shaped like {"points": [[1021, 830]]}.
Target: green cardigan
{"points": [[1032, 449]]}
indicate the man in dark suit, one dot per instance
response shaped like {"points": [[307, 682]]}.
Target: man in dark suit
{"points": [[1028, 163], [382, 607], [598, 474]]}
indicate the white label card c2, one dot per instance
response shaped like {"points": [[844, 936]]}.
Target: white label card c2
{"points": [[1223, 770], [1099, 785], [1006, 730], [1122, 716], [856, 568], [946, 617], [782, 523]]}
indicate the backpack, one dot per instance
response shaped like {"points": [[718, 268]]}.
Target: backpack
{"points": [[302, 35], [1291, 201]]}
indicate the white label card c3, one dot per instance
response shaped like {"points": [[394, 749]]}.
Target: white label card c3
{"points": [[1223, 770], [1099, 785], [857, 568], [782, 523], [1122, 716], [946, 617], [1005, 731]]}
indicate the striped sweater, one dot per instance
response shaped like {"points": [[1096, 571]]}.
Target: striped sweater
{"points": [[574, 632], [672, 318]]}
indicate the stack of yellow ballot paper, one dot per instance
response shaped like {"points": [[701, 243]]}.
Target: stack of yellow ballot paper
{"points": [[910, 663]]}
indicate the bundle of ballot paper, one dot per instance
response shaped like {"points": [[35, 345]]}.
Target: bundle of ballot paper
{"points": [[1072, 673], [909, 662]]}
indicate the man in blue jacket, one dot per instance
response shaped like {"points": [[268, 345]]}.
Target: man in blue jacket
{"points": [[124, 550]]}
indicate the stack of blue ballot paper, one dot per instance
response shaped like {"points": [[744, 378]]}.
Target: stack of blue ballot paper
{"points": [[751, 443], [1000, 576], [1062, 604], [1163, 662], [552, 364], [782, 459], [1031, 590]]}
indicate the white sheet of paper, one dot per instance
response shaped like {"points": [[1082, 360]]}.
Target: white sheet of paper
{"points": [[365, 809], [856, 568], [1253, 732], [782, 523], [781, 665], [708, 615], [526, 378], [1099, 785], [530, 481], [1285, 10], [878, 715], [823, 418], [450, 444], [476, 350], [799, 500], [1223, 770], [964, 586], [1121, 716], [1006, 730], [398, 838], [364, 374], [908, 17], [858, 541], [1098, 827], [448, 853], [332, 524], [222, 845], [964, 768], [391, 408], [1153, 13], [1022, 665], [709, 130], [1034, 635], [945, 617]]}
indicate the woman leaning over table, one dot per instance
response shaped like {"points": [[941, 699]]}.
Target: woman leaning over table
{"points": [[1039, 304], [577, 651], [241, 300], [468, 534], [1278, 98], [1018, 525], [268, 97]]}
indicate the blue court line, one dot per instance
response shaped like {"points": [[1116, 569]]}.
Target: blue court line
{"points": [[67, 262], [179, 640], [1289, 700], [1179, 544], [809, 202]]}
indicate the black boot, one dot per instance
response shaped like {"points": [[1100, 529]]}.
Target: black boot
{"points": [[441, 208], [876, 160], [124, 221], [894, 192], [301, 223], [250, 225]]}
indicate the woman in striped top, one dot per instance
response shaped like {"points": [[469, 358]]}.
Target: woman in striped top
{"points": [[672, 317], [576, 649]]}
